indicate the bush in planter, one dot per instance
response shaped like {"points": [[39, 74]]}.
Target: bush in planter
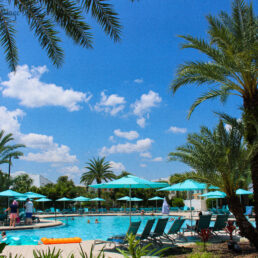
{"points": [[177, 202]]}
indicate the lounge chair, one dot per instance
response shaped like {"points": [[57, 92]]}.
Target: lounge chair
{"points": [[121, 239], [175, 230], [146, 231], [220, 223], [203, 223], [248, 210], [158, 231]]}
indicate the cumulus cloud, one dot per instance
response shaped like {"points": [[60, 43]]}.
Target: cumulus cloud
{"points": [[117, 166], [50, 151], [71, 170], [140, 146], [111, 138], [158, 159], [59, 154], [146, 155], [141, 122], [138, 80], [143, 165], [41, 94], [130, 135], [143, 106], [174, 129], [111, 104]]}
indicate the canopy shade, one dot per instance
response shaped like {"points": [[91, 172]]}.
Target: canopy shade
{"points": [[215, 194], [130, 182], [44, 200], [34, 195], [11, 193], [21, 199], [97, 200], [156, 198], [64, 199], [127, 198], [242, 191], [187, 185], [81, 199]]}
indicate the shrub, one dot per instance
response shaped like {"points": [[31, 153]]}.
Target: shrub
{"points": [[177, 202], [209, 202]]}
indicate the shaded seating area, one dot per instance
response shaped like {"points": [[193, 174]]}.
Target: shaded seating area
{"points": [[175, 230]]}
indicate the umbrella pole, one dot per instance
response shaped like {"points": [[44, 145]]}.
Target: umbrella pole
{"points": [[191, 211], [156, 206], [130, 204]]}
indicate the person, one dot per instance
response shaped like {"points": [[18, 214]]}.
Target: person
{"points": [[28, 211], [96, 221], [14, 213], [3, 234], [88, 221], [142, 212]]}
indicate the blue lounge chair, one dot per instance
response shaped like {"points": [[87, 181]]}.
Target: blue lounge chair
{"points": [[158, 231], [175, 230], [146, 231], [220, 223], [248, 210]]}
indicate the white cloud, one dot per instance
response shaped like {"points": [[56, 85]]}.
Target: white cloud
{"points": [[59, 154], [143, 165], [139, 146], [158, 159], [25, 85], [111, 104], [146, 155], [138, 80], [37, 141], [143, 106], [130, 135], [228, 127], [141, 122], [71, 170], [117, 166], [174, 129], [111, 138], [9, 120], [146, 102]]}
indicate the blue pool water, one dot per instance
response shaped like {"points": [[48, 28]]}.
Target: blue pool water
{"points": [[78, 227]]}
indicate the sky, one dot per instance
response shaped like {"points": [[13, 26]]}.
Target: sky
{"points": [[113, 100]]}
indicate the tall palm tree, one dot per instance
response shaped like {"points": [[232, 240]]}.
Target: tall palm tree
{"points": [[43, 18], [8, 151], [98, 170], [220, 158], [231, 69]]}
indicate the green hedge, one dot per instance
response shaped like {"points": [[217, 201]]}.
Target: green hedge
{"points": [[177, 202]]}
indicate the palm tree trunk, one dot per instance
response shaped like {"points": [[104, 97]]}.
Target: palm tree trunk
{"points": [[246, 228], [251, 123]]}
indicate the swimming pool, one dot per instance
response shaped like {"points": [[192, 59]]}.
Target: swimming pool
{"points": [[79, 227]]}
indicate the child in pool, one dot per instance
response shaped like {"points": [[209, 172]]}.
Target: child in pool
{"points": [[96, 221], [3, 235], [88, 221]]}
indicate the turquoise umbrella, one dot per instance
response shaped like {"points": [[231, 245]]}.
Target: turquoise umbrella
{"points": [[32, 195], [11, 193], [97, 200], [135, 199], [187, 185], [216, 195], [21, 199], [125, 198], [156, 198], [64, 199], [43, 200], [130, 182], [81, 199], [243, 192]]}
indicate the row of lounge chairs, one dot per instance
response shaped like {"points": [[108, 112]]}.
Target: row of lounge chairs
{"points": [[158, 234]]}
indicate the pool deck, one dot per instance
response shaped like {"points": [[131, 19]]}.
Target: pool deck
{"points": [[109, 250]]}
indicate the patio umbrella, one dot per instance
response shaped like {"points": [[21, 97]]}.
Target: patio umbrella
{"points": [[216, 195], [64, 199], [243, 192], [32, 195], [130, 182], [97, 200], [81, 199], [11, 193], [156, 198], [43, 200], [187, 185]]}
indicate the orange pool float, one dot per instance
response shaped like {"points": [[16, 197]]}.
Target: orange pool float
{"points": [[51, 241]]}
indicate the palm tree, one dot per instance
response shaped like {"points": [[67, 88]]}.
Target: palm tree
{"points": [[8, 151], [232, 51], [43, 18], [98, 170], [220, 158]]}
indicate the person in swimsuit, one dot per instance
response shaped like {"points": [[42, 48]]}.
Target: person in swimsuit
{"points": [[14, 213]]}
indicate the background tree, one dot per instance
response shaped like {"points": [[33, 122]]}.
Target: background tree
{"points": [[22, 183], [220, 158], [43, 18], [98, 170], [8, 151], [231, 69]]}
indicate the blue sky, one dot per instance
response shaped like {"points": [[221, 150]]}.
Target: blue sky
{"points": [[113, 100]]}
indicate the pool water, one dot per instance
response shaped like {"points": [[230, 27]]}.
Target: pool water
{"points": [[79, 227]]}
